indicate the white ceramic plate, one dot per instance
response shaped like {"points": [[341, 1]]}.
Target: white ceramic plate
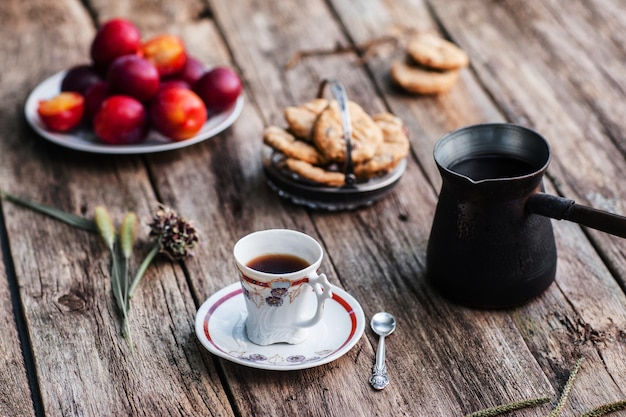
{"points": [[220, 326], [86, 140]]}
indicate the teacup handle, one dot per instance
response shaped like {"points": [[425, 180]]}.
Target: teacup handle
{"points": [[323, 291]]}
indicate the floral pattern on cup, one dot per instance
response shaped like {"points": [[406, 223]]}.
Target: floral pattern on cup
{"points": [[279, 290], [274, 301]]}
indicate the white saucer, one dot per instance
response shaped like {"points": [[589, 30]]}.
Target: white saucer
{"points": [[220, 326], [83, 139]]}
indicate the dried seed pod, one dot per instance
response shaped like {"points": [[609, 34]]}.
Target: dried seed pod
{"points": [[176, 235], [105, 225], [127, 233]]}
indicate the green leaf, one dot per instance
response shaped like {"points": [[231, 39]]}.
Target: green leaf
{"points": [[116, 280], [69, 218]]}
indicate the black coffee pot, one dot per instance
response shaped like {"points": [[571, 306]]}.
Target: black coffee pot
{"points": [[491, 244]]}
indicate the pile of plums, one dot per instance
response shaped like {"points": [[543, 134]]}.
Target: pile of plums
{"points": [[132, 85]]}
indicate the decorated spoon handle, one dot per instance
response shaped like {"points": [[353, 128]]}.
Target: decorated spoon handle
{"points": [[379, 378]]}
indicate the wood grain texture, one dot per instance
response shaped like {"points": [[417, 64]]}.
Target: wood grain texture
{"points": [[557, 69], [380, 258], [571, 90], [15, 398], [84, 366]]}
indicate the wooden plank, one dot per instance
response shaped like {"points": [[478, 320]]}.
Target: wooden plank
{"points": [[443, 360], [14, 389], [584, 130], [433, 117], [378, 253], [227, 198], [461, 21], [225, 193], [83, 364], [571, 91]]}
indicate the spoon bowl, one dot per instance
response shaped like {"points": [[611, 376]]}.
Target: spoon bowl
{"points": [[383, 323]]}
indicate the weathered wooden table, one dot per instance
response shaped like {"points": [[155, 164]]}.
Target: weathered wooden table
{"points": [[557, 67]]}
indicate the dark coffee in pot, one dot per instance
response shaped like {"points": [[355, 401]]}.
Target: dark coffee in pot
{"points": [[492, 166], [277, 263]]}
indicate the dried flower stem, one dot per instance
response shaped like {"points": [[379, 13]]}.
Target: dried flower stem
{"points": [[143, 267], [107, 232], [397, 35], [505, 408], [566, 390], [117, 275], [173, 235], [605, 409], [126, 242], [367, 47], [120, 246]]}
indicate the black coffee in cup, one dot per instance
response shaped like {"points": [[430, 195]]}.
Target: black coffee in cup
{"points": [[277, 263]]}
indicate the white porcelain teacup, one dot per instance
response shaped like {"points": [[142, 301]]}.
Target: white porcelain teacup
{"points": [[284, 294]]}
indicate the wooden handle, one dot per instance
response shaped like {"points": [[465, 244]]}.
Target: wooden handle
{"points": [[565, 209]]}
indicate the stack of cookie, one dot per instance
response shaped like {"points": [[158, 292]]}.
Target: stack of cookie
{"points": [[314, 147], [431, 65]]}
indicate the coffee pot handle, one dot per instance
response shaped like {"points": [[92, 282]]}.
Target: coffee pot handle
{"points": [[560, 208]]}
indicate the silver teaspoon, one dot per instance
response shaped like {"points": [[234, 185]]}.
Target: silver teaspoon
{"points": [[383, 325]]}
